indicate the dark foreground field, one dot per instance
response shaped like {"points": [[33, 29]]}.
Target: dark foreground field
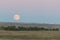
{"points": [[29, 35]]}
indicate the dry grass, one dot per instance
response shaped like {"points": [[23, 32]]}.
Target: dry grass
{"points": [[30, 35]]}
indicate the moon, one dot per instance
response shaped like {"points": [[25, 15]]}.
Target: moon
{"points": [[16, 17]]}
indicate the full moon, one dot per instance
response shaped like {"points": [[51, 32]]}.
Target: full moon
{"points": [[16, 17]]}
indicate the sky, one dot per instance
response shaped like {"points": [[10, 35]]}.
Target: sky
{"points": [[30, 11]]}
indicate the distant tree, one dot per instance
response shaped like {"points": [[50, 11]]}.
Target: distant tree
{"points": [[42, 28], [57, 29], [46, 29], [12, 28]]}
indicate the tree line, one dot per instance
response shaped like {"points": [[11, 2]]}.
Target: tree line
{"points": [[13, 28]]}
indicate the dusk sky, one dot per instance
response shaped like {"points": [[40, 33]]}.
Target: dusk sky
{"points": [[31, 11]]}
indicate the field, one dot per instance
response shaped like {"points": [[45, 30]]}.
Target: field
{"points": [[29, 35]]}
